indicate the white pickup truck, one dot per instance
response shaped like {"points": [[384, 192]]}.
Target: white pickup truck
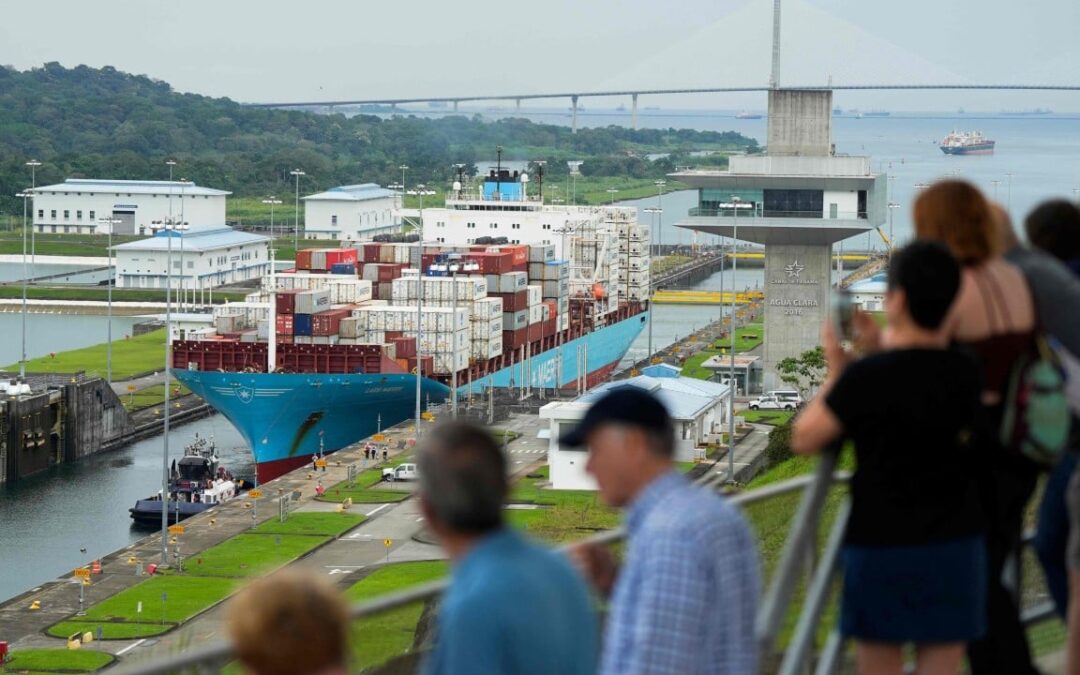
{"points": [[400, 472], [773, 403]]}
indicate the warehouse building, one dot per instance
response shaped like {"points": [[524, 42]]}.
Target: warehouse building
{"points": [[201, 259], [78, 205], [698, 410], [350, 213]]}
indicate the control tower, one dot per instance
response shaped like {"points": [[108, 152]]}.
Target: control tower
{"points": [[797, 199]]}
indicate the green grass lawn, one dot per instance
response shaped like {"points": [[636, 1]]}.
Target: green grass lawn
{"points": [[11, 243], [774, 417], [247, 555], [118, 615], [668, 262], [151, 396], [130, 357], [746, 338], [565, 514], [100, 294], [362, 491], [56, 661], [390, 634], [312, 524]]}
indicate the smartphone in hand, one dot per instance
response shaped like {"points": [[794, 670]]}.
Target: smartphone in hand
{"points": [[843, 314]]}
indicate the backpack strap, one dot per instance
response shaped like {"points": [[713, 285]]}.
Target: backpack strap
{"points": [[989, 304]]}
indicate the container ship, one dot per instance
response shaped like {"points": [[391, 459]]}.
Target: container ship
{"points": [[967, 143], [500, 291]]}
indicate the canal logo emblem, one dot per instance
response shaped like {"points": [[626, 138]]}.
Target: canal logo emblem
{"points": [[794, 269], [245, 394]]}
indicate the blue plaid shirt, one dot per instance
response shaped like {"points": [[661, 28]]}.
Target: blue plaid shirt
{"points": [[684, 602]]}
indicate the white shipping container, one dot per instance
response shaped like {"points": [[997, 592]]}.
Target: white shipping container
{"points": [[556, 289], [515, 320], [535, 295], [349, 291], [512, 282], [536, 313], [263, 330], [313, 302], [541, 253], [249, 336], [350, 328], [448, 362], [564, 322], [228, 323], [318, 259], [487, 309], [302, 339], [324, 339], [556, 269], [487, 349]]}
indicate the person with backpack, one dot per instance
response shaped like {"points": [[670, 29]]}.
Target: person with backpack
{"points": [[1053, 228], [993, 317]]}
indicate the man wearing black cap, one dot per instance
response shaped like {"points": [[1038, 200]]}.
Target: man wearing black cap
{"points": [[686, 598]]}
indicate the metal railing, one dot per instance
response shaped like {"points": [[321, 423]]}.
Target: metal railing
{"points": [[759, 212], [800, 559]]}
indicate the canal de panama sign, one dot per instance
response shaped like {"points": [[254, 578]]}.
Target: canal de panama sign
{"points": [[793, 277]]}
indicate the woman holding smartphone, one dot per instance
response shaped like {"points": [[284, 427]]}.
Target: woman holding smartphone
{"points": [[914, 554]]}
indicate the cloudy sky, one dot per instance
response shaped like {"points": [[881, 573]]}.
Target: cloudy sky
{"points": [[274, 50]]}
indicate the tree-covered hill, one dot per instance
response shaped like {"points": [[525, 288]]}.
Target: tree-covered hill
{"points": [[103, 123]]}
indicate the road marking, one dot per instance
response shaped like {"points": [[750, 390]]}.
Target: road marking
{"points": [[337, 571], [419, 519], [131, 646], [355, 567], [358, 535], [371, 513]]}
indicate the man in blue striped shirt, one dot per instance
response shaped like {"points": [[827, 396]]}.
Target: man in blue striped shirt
{"points": [[685, 600]]}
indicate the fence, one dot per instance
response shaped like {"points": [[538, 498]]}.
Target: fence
{"points": [[801, 559]]}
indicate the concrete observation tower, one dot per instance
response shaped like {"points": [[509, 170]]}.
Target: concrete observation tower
{"points": [[798, 199]]}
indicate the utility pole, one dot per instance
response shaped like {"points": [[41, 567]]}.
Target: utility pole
{"points": [[731, 378], [296, 215]]}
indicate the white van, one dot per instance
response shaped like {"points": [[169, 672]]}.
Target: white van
{"points": [[400, 472], [787, 395], [770, 402]]}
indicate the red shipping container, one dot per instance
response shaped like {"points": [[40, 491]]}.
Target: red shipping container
{"points": [[335, 256], [551, 327], [284, 324], [391, 271], [327, 323], [390, 334], [513, 302], [427, 363], [404, 347], [285, 302], [514, 339], [553, 308], [519, 253], [493, 263], [520, 267], [303, 259], [284, 339], [371, 252]]}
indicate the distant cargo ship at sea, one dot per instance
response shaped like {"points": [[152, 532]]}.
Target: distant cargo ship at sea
{"points": [[1029, 111], [747, 115], [876, 113], [967, 143]]}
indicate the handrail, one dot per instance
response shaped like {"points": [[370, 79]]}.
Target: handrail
{"points": [[221, 650]]}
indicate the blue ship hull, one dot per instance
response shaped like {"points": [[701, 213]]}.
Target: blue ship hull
{"points": [[287, 417]]}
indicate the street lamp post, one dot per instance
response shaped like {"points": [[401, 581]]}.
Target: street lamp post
{"points": [[34, 247], [170, 225], [652, 231], [421, 191], [612, 191], [995, 183], [112, 222], [660, 209], [1008, 192], [22, 359], [296, 215], [892, 207], [731, 377], [272, 201]]}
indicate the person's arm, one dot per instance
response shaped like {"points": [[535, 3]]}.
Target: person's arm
{"points": [[817, 426], [1056, 291]]}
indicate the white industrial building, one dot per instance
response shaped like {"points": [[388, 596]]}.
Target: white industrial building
{"points": [[699, 410], [869, 294], [350, 213], [77, 206], [201, 259]]}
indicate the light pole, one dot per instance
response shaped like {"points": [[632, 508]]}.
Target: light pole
{"points": [[652, 230], [421, 191], [660, 209], [612, 191], [731, 377], [22, 360], [399, 196], [272, 201], [170, 225], [995, 183], [112, 222], [892, 207], [456, 265], [403, 168], [34, 186], [1008, 193], [296, 215], [170, 163]]}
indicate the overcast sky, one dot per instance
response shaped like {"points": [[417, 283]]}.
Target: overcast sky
{"points": [[275, 50]]}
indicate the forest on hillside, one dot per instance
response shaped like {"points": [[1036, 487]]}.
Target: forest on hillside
{"points": [[104, 123]]}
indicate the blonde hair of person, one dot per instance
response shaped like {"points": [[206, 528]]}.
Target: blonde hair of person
{"points": [[289, 623], [957, 214]]}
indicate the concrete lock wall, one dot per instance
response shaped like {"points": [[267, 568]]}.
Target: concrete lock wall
{"points": [[797, 293], [94, 417]]}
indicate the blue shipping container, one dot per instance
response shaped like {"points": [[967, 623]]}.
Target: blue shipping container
{"points": [[301, 324], [343, 268]]}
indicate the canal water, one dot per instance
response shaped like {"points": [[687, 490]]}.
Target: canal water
{"points": [[46, 520], [55, 331]]}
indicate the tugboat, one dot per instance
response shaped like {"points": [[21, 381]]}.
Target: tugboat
{"points": [[196, 483]]}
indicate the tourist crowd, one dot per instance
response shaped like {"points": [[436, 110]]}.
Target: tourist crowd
{"points": [[956, 407]]}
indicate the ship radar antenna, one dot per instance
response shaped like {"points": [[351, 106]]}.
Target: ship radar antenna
{"points": [[540, 178], [460, 184], [498, 171]]}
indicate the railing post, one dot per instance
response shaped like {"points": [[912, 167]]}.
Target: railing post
{"points": [[785, 578]]}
